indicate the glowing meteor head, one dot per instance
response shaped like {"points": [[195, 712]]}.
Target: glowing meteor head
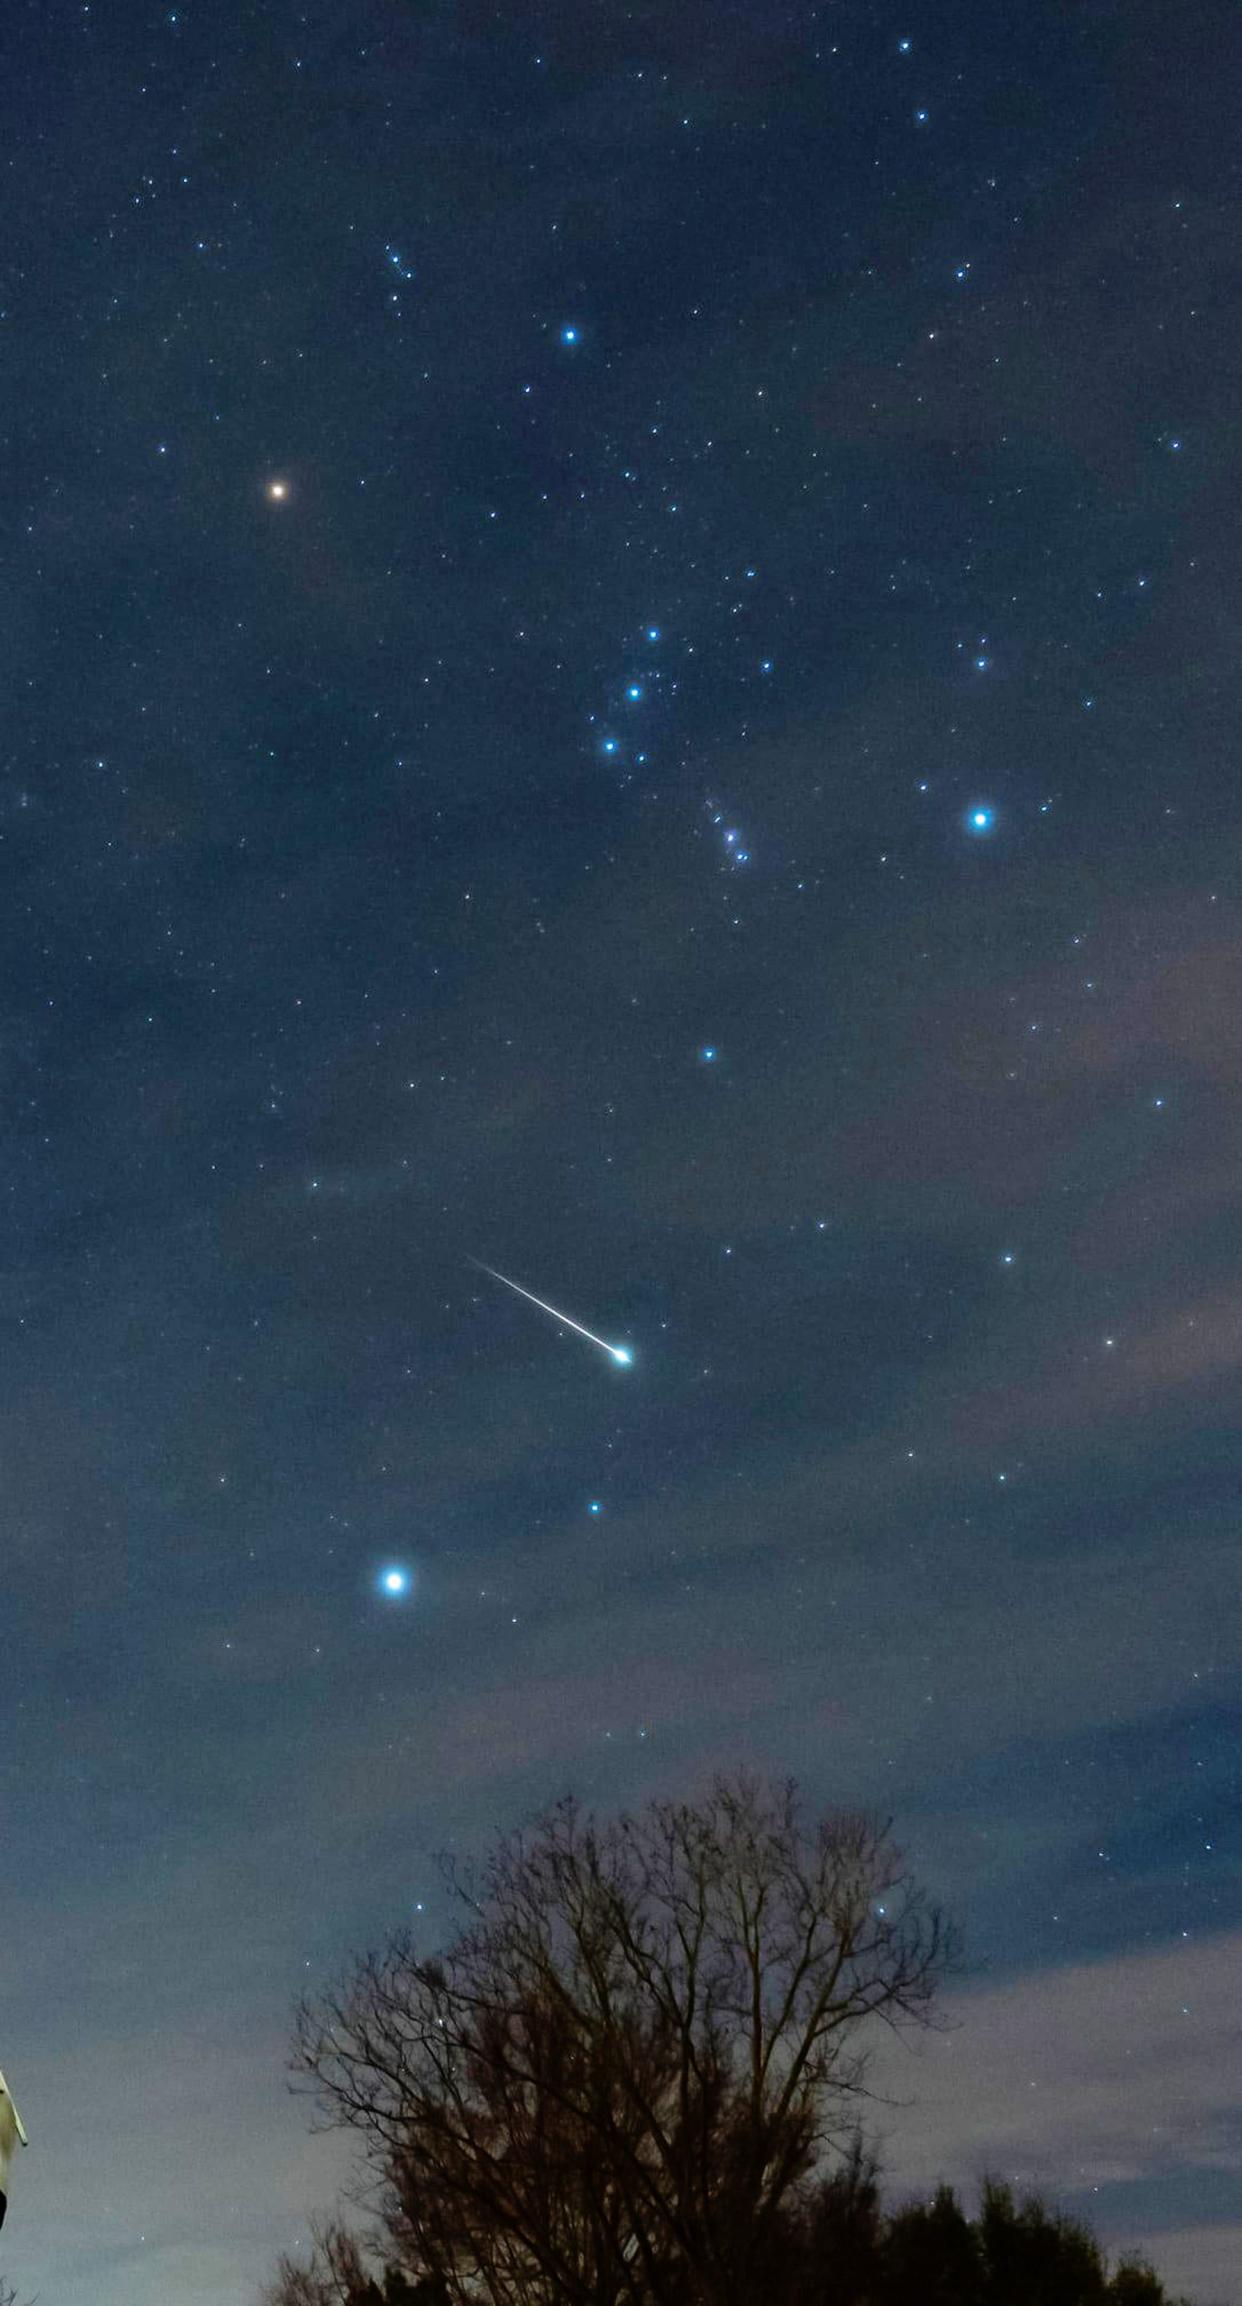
{"points": [[622, 1355]]}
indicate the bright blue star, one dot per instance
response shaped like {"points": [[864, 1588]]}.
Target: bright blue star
{"points": [[653, 632], [394, 1582], [708, 1055], [981, 818], [609, 745], [904, 47], [634, 692], [570, 334], [595, 1506]]}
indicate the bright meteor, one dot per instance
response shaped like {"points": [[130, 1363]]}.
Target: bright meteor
{"points": [[618, 1353]]}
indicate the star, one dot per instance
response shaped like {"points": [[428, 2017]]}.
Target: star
{"points": [[981, 818], [394, 1581], [277, 491]]}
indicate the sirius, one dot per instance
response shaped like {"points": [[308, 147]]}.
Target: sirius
{"points": [[982, 818], [394, 1582]]}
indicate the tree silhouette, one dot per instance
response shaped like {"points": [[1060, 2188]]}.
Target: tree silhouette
{"points": [[631, 2065], [634, 2078], [931, 2251], [338, 2276], [1134, 2284], [848, 2252], [839, 2248], [1034, 2256]]}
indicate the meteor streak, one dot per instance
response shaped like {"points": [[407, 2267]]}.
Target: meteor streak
{"points": [[618, 1353]]}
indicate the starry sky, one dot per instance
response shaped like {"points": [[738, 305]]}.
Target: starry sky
{"points": [[621, 660]]}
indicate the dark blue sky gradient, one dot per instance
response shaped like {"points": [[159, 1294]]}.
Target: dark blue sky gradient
{"points": [[355, 920]]}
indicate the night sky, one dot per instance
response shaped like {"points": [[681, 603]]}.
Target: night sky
{"points": [[621, 658]]}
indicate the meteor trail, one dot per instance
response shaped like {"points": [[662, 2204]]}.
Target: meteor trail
{"points": [[618, 1353]]}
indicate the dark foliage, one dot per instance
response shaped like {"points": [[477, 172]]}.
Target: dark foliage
{"points": [[843, 2249]]}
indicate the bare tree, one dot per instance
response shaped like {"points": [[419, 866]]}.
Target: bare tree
{"points": [[335, 2276], [636, 2056]]}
